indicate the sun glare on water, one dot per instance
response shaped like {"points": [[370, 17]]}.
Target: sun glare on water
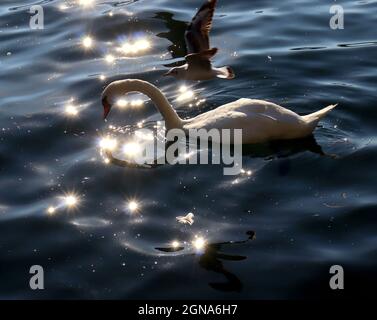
{"points": [[185, 94], [70, 200], [71, 110], [137, 103], [51, 210], [63, 7], [122, 103], [175, 244], [131, 149], [134, 48], [108, 143], [199, 243], [87, 42], [133, 206], [86, 3], [109, 58]]}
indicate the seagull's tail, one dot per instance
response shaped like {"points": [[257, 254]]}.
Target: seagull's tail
{"points": [[313, 118], [226, 73]]}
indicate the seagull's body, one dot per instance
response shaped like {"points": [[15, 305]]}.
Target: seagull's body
{"points": [[198, 62]]}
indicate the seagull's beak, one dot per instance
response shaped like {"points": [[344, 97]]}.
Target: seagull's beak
{"points": [[106, 107]]}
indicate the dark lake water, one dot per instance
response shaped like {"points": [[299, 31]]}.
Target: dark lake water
{"points": [[309, 209]]}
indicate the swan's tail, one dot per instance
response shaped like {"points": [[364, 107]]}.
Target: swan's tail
{"points": [[313, 118]]}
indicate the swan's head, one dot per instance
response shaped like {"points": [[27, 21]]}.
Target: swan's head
{"points": [[114, 91], [177, 72]]}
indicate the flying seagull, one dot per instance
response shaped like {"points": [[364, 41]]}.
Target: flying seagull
{"points": [[198, 61]]}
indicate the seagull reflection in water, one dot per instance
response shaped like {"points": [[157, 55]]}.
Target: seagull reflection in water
{"points": [[211, 259]]}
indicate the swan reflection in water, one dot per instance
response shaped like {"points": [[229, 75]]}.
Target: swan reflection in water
{"points": [[211, 259], [268, 151]]}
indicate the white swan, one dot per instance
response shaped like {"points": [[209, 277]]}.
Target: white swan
{"points": [[260, 121]]}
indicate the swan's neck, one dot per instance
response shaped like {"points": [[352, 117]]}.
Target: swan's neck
{"points": [[172, 120]]}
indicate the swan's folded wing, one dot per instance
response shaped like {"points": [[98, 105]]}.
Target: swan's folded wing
{"points": [[266, 116], [197, 33]]}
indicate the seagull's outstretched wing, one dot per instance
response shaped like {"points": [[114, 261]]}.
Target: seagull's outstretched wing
{"points": [[197, 33]]}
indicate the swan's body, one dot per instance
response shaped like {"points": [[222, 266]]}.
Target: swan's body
{"points": [[260, 121], [198, 62]]}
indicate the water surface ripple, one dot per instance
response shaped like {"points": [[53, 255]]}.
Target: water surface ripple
{"points": [[311, 204]]}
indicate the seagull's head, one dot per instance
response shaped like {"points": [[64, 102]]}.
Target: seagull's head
{"points": [[177, 72]]}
